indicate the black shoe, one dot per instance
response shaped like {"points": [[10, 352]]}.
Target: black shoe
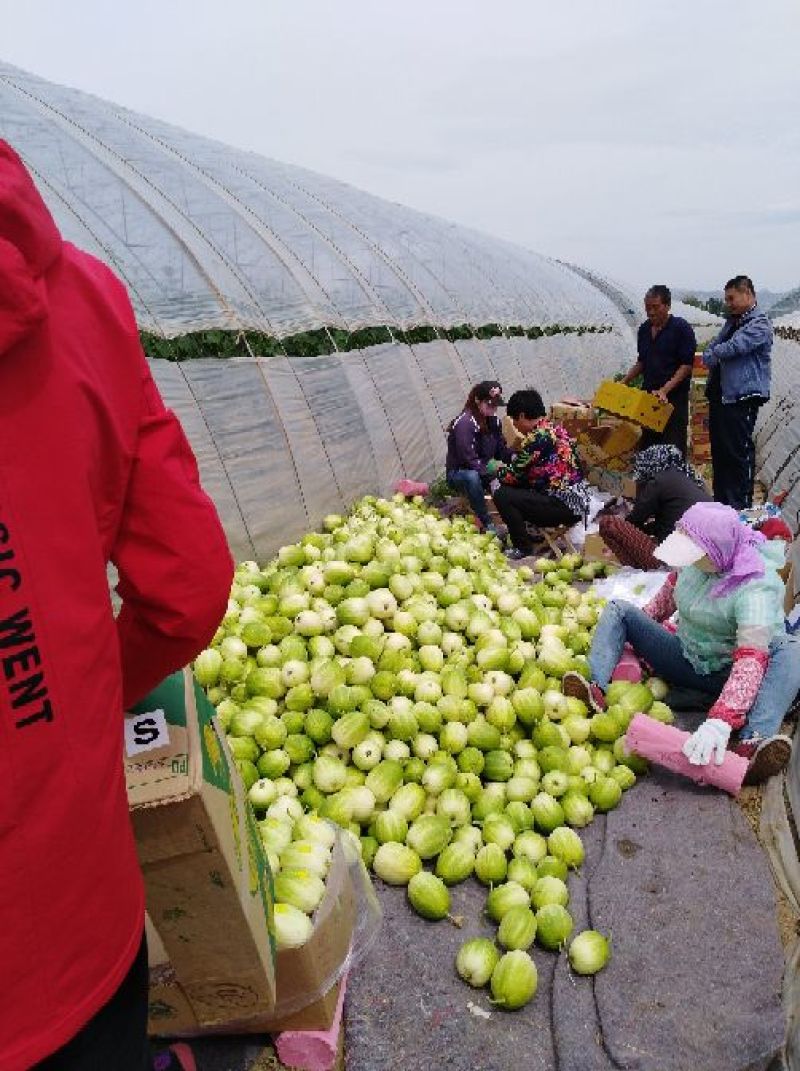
{"points": [[769, 758]]}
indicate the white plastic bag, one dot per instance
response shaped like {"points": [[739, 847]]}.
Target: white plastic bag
{"points": [[633, 585]]}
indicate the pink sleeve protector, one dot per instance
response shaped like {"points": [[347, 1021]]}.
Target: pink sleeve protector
{"points": [[741, 687], [662, 605]]}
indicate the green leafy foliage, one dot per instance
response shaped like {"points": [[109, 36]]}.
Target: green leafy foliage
{"points": [[324, 340]]}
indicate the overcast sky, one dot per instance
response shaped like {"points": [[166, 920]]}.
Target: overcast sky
{"points": [[655, 142]]}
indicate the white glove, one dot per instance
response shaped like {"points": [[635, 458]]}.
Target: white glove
{"points": [[710, 739]]}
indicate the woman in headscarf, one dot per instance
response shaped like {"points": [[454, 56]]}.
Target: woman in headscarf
{"points": [[665, 488], [474, 439], [730, 641]]}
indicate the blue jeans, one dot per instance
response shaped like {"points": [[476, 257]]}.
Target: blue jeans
{"points": [[469, 483], [622, 622]]}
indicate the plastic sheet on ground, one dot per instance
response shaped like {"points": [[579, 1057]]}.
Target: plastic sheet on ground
{"points": [[579, 532], [633, 585]]}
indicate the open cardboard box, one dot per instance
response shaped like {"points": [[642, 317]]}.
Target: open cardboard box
{"points": [[608, 445], [595, 550], [573, 415], [207, 880], [308, 978]]}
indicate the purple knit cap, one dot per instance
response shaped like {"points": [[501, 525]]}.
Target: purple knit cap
{"points": [[730, 544]]}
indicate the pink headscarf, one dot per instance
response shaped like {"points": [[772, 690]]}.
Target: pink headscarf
{"points": [[729, 543]]}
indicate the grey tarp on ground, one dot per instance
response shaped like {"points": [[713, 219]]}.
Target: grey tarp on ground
{"points": [[678, 880]]}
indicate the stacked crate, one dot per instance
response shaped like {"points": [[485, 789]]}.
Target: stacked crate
{"points": [[699, 437]]}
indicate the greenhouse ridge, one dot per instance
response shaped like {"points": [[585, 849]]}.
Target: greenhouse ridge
{"points": [[333, 340]]}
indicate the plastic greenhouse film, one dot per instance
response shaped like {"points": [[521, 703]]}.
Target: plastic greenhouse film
{"points": [[253, 449], [380, 426], [477, 360], [413, 421], [444, 378], [207, 238], [778, 430], [347, 261], [340, 422], [307, 447]]}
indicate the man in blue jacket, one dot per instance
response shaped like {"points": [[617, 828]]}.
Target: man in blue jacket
{"points": [[738, 361]]}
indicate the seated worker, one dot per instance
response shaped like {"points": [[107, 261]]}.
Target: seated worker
{"points": [[543, 483], [474, 439], [665, 488], [730, 641]]}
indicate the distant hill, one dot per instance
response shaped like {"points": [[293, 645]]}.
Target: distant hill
{"points": [[767, 299], [788, 303]]}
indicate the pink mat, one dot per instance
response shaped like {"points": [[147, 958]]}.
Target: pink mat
{"points": [[312, 1050], [662, 745]]}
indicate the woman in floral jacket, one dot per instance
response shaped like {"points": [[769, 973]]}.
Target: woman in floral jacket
{"points": [[543, 484]]}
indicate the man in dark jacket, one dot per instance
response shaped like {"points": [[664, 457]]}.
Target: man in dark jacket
{"points": [[739, 364], [93, 469], [666, 346]]}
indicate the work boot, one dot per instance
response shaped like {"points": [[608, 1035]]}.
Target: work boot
{"points": [[765, 757], [577, 687]]}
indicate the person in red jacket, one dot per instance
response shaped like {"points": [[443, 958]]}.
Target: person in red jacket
{"points": [[93, 469]]}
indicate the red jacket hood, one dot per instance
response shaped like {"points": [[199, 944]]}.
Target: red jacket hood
{"points": [[29, 245]]}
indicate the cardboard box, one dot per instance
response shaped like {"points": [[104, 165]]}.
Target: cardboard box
{"points": [[595, 550], [610, 445], [637, 405], [206, 874], [307, 978], [574, 416]]}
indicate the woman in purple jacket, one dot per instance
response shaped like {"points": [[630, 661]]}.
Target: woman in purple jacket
{"points": [[474, 438]]}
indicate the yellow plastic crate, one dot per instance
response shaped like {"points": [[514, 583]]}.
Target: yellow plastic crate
{"points": [[636, 405]]}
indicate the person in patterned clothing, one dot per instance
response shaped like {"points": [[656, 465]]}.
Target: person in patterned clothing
{"points": [[543, 483], [730, 641]]}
